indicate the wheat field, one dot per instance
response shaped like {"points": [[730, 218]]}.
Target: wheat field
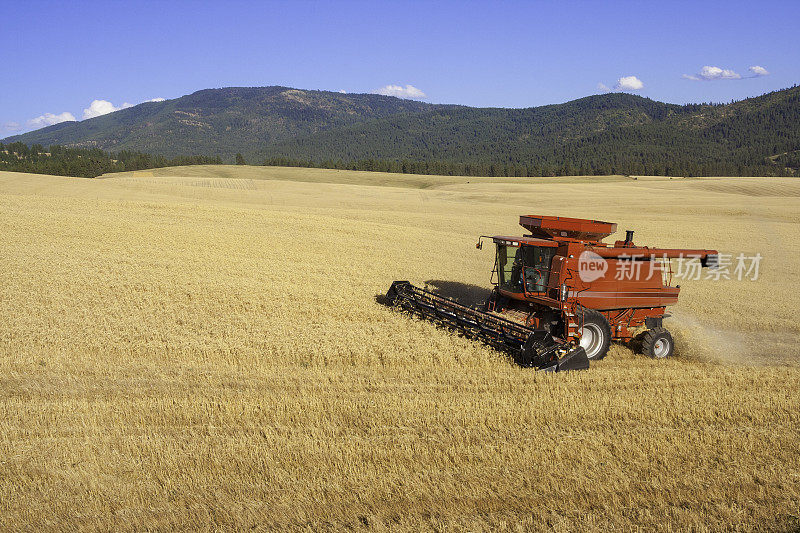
{"points": [[201, 348]]}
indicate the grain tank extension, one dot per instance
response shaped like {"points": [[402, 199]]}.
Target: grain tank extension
{"points": [[562, 295]]}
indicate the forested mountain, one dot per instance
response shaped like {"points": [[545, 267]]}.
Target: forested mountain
{"points": [[606, 134], [221, 121], [602, 134]]}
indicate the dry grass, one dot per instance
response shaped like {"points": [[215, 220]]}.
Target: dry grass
{"points": [[202, 349]]}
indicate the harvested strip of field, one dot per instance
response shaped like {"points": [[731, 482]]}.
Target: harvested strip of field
{"points": [[175, 355], [753, 186], [317, 175]]}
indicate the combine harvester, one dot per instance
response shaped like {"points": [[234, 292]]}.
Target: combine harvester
{"points": [[562, 295]]}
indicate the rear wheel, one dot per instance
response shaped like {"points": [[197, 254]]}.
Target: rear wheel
{"points": [[657, 343], [595, 334]]}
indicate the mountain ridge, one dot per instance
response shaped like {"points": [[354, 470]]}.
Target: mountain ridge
{"points": [[606, 133]]}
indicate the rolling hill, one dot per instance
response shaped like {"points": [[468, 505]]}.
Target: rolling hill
{"points": [[601, 134], [221, 121]]}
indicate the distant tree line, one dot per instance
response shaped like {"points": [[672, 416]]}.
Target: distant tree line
{"points": [[620, 167], [86, 162]]}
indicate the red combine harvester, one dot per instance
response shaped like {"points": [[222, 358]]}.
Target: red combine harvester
{"points": [[562, 295]]}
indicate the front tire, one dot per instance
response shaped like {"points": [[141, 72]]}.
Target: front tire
{"points": [[595, 334], [658, 343]]}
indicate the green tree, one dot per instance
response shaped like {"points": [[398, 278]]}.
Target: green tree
{"points": [[240, 159]]}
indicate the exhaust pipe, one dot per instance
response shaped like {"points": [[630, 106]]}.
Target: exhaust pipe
{"points": [[628, 237]]}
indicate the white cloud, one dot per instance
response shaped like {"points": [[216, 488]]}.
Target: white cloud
{"points": [[11, 127], [708, 73], [757, 71], [48, 119], [625, 83], [102, 107], [629, 83], [409, 91], [713, 73], [95, 109], [342, 91]]}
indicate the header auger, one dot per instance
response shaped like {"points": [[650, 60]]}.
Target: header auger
{"points": [[562, 295]]}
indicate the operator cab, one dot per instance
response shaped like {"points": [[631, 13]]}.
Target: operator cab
{"points": [[523, 265]]}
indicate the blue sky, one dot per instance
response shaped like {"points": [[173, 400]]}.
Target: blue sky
{"points": [[61, 57]]}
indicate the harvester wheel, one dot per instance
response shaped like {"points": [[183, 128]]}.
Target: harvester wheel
{"points": [[657, 343], [595, 334]]}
